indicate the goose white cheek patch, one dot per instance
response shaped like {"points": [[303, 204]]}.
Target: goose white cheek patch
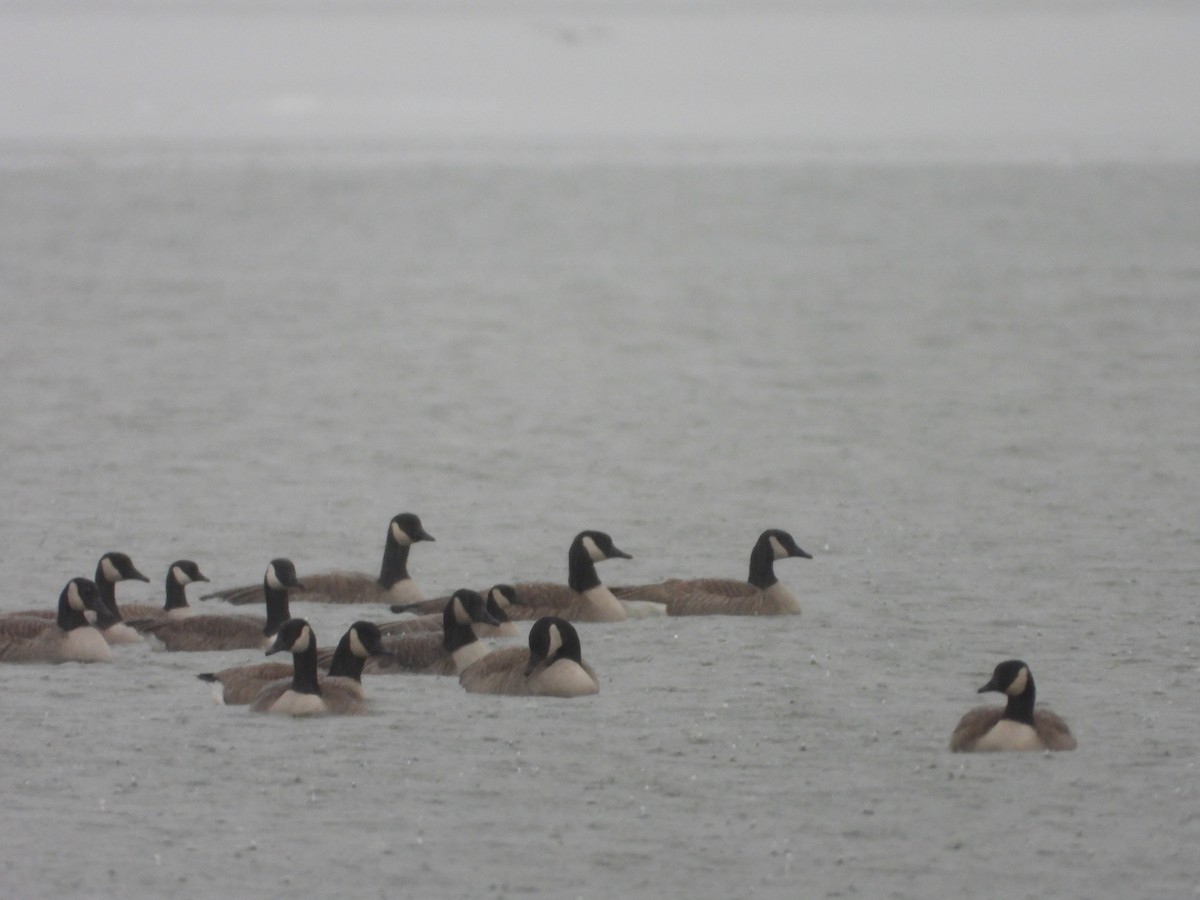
{"points": [[400, 536], [110, 571], [460, 613], [303, 641], [73, 597], [1017, 688], [556, 642], [180, 576], [594, 552], [273, 579], [356, 645], [778, 548]]}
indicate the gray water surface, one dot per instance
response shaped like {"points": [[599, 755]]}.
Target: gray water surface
{"points": [[968, 390]]}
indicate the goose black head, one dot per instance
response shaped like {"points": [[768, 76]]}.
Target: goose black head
{"points": [[114, 567], [552, 639], [294, 636], [1011, 677], [281, 575], [782, 544], [599, 546], [406, 529], [184, 571], [366, 640]]}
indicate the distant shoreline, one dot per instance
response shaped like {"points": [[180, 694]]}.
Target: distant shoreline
{"points": [[491, 151]]}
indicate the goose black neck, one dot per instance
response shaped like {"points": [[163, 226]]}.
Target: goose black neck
{"points": [[395, 563], [304, 671], [277, 608], [345, 663], [570, 648], [176, 598], [497, 611], [1020, 707], [455, 634], [581, 575], [108, 592], [762, 565]]}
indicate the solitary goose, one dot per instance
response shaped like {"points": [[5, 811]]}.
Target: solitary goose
{"points": [[1016, 726], [394, 584], [239, 685], [67, 637], [220, 632], [307, 695], [762, 594], [499, 600], [553, 666], [181, 573], [431, 653]]}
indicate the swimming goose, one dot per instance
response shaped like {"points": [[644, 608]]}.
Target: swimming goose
{"points": [[499, 599], [238, 685], [307, 695], [552, 667], [180, 574], [70, 636], [1016, 726], [582, 599], [431, 653], [394, 584], [220, 632], [111, 568], [97, 613], [762, 594]]}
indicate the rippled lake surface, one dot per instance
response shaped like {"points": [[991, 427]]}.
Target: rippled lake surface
{"points": [[969, 390]]}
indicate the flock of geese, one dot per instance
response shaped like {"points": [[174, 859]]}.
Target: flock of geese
{"points": [[441, 636]]}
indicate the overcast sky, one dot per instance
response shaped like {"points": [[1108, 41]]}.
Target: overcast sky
{"points": [[1094, 81]]}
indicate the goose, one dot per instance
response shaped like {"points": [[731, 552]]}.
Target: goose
{"points": [[307, 695], [762, 594], [180, 574], [111, 568], [394, 584], [431, 653], [221, 632], [499, 599], [553, 666], [583, 599], [98, 614], [239, 685], [68, 637], [1016, 726]]}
